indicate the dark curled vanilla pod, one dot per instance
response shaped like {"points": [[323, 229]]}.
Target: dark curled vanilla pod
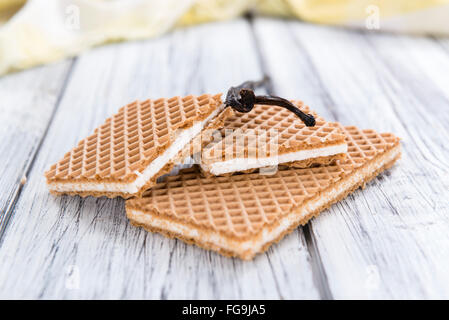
{"points": [[242, 99]]}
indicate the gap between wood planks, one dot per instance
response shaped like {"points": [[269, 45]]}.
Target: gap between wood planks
{"points": [[318, 272], [6, 215]]}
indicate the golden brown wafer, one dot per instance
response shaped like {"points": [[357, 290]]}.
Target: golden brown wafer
{"points": [[243, 214], [127, 153], [269, 136]]}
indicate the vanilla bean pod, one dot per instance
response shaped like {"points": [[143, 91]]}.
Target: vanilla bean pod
{"points": [[242, 99]]}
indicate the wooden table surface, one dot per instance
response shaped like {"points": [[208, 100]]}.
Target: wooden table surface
{"points": [[390, 240]]}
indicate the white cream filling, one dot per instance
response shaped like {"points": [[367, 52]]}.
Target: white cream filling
{"points": [[247, 249], [184, 137], [241, 164]]}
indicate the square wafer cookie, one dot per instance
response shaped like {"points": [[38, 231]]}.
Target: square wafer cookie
{"points": [[242, 215], [269, 136], [125, 155]]}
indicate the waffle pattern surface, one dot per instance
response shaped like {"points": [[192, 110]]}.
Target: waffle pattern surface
{"points": [[129, 140], [241, 206], [269, 130]]}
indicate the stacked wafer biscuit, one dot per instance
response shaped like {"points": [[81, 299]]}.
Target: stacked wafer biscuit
{"points": [[270, 135], [222, 203], [126, 154], [241, 215]]}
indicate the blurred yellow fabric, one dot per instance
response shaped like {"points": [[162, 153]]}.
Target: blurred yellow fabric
{"points": [[5, 4], [40, 31]]}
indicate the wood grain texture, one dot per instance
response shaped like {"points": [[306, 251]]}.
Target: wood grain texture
{"points": [[387, 241], [52, 242], [27, 103]]}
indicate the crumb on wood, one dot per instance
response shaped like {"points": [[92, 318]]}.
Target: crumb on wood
{"points": [[23, 180]]}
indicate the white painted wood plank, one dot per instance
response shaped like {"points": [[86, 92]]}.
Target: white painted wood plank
{"points": [[112, 259], [390, 240], [27, 102]]}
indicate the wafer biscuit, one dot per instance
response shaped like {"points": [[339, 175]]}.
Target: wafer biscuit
{"points": [[269, 136], [242, 215], [126, 154]]}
